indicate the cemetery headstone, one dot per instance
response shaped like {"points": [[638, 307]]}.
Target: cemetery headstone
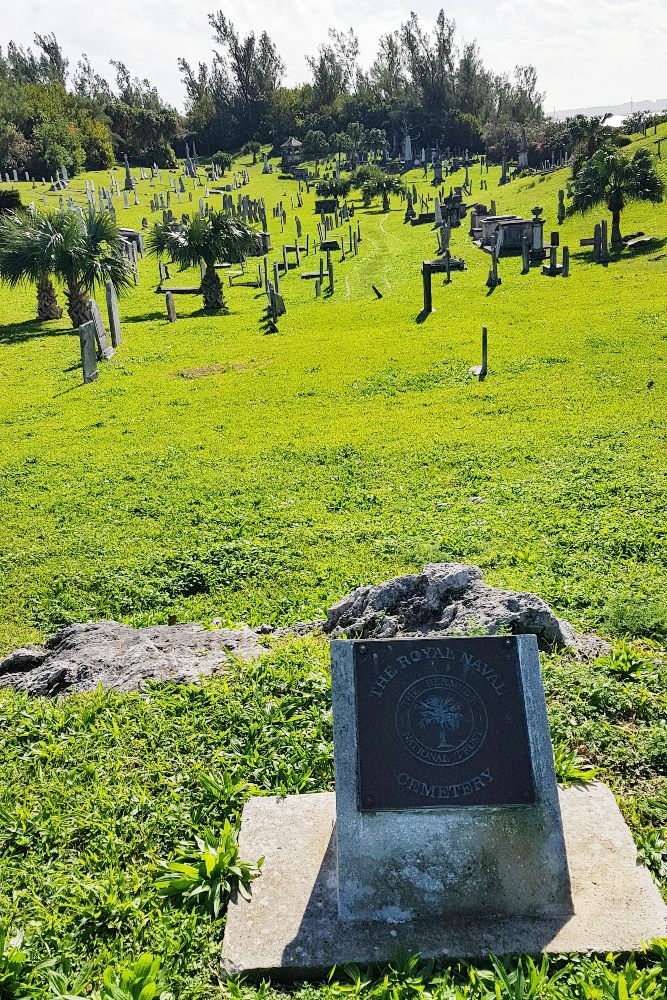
{"points": [[105, 349], [114, 318], [561, 208], [171, 308], [88, 351]]}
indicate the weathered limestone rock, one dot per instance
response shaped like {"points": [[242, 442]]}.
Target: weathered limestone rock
{"points": [[450, 598], [79, 657], [443, 598]]}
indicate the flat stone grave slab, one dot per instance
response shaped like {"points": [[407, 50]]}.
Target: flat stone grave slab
{"points": [[290, 928]]}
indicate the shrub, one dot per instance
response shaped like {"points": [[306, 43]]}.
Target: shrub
{"points": [[223, 161], [10, 201]]}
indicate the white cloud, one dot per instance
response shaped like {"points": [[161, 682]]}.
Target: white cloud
{"points": [[586, 53]]}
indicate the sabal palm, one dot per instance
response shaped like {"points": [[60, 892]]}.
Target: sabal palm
{"points": [[88, 253], [211, 238], [385, 185], [444, 713], [588, 135], [27, 254], [611, 178]]}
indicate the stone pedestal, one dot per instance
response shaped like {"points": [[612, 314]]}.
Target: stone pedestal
{"points": [[445, 788], [290, 928]]}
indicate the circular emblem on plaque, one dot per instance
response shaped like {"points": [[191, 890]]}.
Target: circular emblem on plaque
{"points": [[441, 720]]}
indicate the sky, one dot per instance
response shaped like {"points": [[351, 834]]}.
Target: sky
{"points": [[587, 52]]}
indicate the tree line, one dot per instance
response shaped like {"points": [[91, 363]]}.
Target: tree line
{"points": [[423, 82]]}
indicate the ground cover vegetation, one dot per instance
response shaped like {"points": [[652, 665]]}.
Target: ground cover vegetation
{"points": [[215, 472]]}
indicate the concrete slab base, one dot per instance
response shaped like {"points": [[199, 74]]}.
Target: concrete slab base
{"points": [[290, 927]]}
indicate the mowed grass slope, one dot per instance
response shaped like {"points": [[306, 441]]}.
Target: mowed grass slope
{"points": [[215, 470]]}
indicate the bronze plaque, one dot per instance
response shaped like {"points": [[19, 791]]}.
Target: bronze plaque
{"points": [[441, 723]]}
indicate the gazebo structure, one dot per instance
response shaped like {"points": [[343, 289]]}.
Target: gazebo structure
{"points": [[291, 152]]}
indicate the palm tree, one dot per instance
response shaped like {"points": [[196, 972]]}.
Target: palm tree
{"points": [[211, 238], [444, 713], [610, 177], [87, 253], [27, 254], [383, 184], [587, 135]]}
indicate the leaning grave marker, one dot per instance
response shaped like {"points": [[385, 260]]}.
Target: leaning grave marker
{"points": [[447, 833]]}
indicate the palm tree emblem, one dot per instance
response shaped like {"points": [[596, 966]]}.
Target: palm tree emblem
{"points": [[443, 712]]}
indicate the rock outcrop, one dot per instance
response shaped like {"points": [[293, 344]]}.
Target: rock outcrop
{"points": [[79, 657], [444, 599]]}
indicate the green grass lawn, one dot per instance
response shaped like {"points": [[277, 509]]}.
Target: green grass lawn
{"points": [[215, 470]]}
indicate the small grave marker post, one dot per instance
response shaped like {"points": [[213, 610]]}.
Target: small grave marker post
{"points": [[480, 371], [171, 307], [525, 255], [566, 262], [604, 242], [426, 281]]}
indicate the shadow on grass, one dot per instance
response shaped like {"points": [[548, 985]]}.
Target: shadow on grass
{"points": [[423, 315], [18, 333], [225, 311], [584, 255], [145, 317]]}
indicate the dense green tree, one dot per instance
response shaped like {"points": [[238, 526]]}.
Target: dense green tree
{"points": [[339, 143], [315, 145], [587, 135], [612, 178], [223, 161], [211, 238], [251, 148], [334, 66], [431, 62], [249, 71], [355, 134], [16, 151]]}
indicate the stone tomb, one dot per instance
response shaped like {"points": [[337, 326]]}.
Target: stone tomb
{"points": [[447, 833]]}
